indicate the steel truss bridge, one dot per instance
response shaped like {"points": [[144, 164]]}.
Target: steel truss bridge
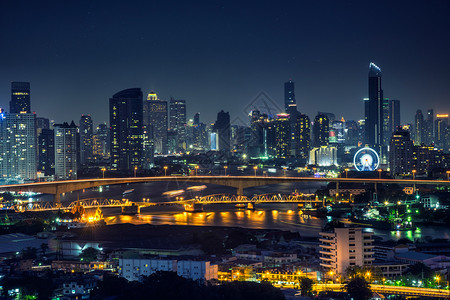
{"points": [[210, 199]]}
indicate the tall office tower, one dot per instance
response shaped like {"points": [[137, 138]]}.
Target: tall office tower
{"points": [[385, 122], [352, 136], [418, 127], [345, 247], [282, 128], [321, 130], [18, 146], [42, 123], [125, 119], [401, 151], [155, 119], [440, 127], [222, 130], [239, 137], [394, 116], [302, 134], [290, 104], [20, 98], [337, 132], [426, 158], [177, 122], [66, 151], [148, 149], [428, 126], [197, 118], [101, 142], [374, 109], [46, 152], [86, 139]]}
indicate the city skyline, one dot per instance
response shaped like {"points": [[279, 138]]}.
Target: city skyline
{"points": [[223, 62]]}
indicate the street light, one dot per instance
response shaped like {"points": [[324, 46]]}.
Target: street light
{"points": [[225, 167], [196, 168], [414, 174], [448, 175], [346, 172], [165, 170], [255, 168], [284, 168], [135, 169], [103, 170], [379, 173]]}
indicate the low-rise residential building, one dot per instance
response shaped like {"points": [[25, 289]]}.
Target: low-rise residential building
{"points": [[432, 261]]}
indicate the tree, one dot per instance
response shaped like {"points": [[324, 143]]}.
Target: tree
{"points": [[89, 254], [420, 269], [306, 285], [358, 288], [29, 253]]}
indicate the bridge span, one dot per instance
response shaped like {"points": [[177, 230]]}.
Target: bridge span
{"points": [[56, 188]]}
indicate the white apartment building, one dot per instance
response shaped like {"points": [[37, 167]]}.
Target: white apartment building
{"points": [[132, 269], [345, 247]]}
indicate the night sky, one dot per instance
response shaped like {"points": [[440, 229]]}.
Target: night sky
{"points": [[221, 54]]}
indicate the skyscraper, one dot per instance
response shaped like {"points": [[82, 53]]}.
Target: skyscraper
{"points": [[394, 116], [440, 128], [177, 122], [18, 145], [290, 104], [282, 128], [46, 155], [125, 109], [428, 126], [401, 151], [222, 129], [86, 139], [418, 127], [374, 109], [321, 130], [302, 135], [66, 151], [101, 142], [20, 98], [155, 120]]}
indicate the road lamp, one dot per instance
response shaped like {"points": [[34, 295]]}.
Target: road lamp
{"points": [[379, 173], [255, 168], [135, 169], [346, 172], [103, 170], [368, 276], [196, 168], [414, 178], [165, 170], [448, 175], [284, 170], [437, 278], [225, 168]]}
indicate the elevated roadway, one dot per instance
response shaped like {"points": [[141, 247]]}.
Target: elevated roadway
{"points": [[56, 188]]}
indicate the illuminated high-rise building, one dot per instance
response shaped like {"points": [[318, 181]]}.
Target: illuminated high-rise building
{"points": [[418, 127], [290, 104], [428, 126], [401, 152], [222, 129], [101, 142], [302, 135], [394, 116], [441, 127], [66, 150], [86, 139], [18, 145], [46, 152], [374, 113], [177, 122], [282, 130], [321, 130], [155, 120], [125, 108], [20, 98]]}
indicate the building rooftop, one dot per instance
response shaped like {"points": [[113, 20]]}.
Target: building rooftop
{"points": [[414, 255]]}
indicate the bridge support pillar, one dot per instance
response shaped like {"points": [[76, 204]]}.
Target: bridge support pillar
{"points": [[57, 199], [240, 189]]}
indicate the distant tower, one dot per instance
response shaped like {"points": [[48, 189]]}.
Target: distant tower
{"points": [[428, 128], [418, 127], [394, 115], [222, 129], [155, 120], [65, 151], [18, 145], [177, 122], [401, 152], [302, 135], [290, 104], [321, 130], [125, 119], [374, 109], [86, 139], [20, 98], [441, 127]]}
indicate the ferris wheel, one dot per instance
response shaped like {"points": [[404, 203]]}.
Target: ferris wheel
{"points": [[366, 159]]}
